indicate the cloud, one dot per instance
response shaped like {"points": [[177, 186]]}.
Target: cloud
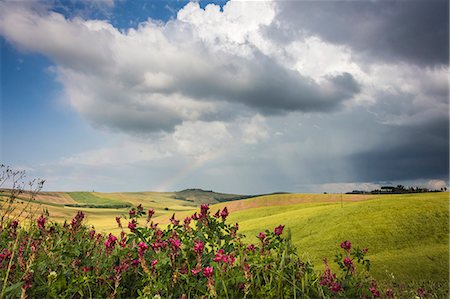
{"points": [[411, 31], [160, 75]]}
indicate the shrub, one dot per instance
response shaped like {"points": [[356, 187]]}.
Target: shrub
{"points": [[201, 256]]}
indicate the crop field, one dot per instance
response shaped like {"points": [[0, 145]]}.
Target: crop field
{"points": [[407, 235]]}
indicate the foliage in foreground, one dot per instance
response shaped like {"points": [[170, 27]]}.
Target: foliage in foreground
{"points": [[201, 256]]}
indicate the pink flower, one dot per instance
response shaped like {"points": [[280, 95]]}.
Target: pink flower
{"points": [[279, 230], [110, 242], [76, 221], [346, 245], [154, 263], [208, 272], [14, 224], [86, 269], [217, 214], [251, 247], [349, 264], [41, 222], [373, 289], [132, 225], [140, 208], [261, 236], [173, 220], [198, 247], [195, 271], [204, 210], [135, 262], [118, 221], [92, 234], [220, 253], [389, 293], [132, 212], [143, 246], [150, 213], [195, 216], [224, 214], [174, 243], [335, 287], [421, 292], [187, 221]]}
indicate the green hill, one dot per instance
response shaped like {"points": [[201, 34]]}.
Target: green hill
{"points": [[407, 235]]}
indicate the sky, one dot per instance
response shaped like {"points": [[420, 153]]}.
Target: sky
{"points": [[237, 97]]}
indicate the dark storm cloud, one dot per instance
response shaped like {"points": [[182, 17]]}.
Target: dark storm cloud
{"points": [[406, 153], [412, 31]]}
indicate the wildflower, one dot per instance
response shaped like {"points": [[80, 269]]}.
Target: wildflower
{"points": [[198, 247], [389, 293], [373, 289], [52, 275], [142, 247], [208, 272], [196, 270], [132, 213], [92, 234], [132, 225], [140, 208], [119, 223], [76, 221], [41, 222], [421, 293], [14, 224], [154, 263], [335, 287], [261, 236], [187, 221], [217, 214], [195, 216], [279, 230], [224, 214], [204, 210], [346, 245], [173, 220], [349, 264], [150, 213], [174, 243], [220, 253], [135, 262], [110, 242], [251, 247], [85, 269]]}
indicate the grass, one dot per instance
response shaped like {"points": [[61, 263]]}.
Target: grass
{"points": [[407, 235]]}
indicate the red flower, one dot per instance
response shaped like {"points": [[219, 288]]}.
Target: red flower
{"points": [[279, 230], [208, 272], [110, 242], [173, 220], [118, 221], [76, 221], [198, 247], [143, 246], [261, 236], [174, 243], [187, 221], [14, 224], [349, 264], [150, 213], [217, 214], [154, 263], [204, 210], [196, 270], [251, 247], [335, 287], [41, 222], [346, 245], [132, 225], [224, 214], [140, 208], [220, 253], [132, 212]]}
